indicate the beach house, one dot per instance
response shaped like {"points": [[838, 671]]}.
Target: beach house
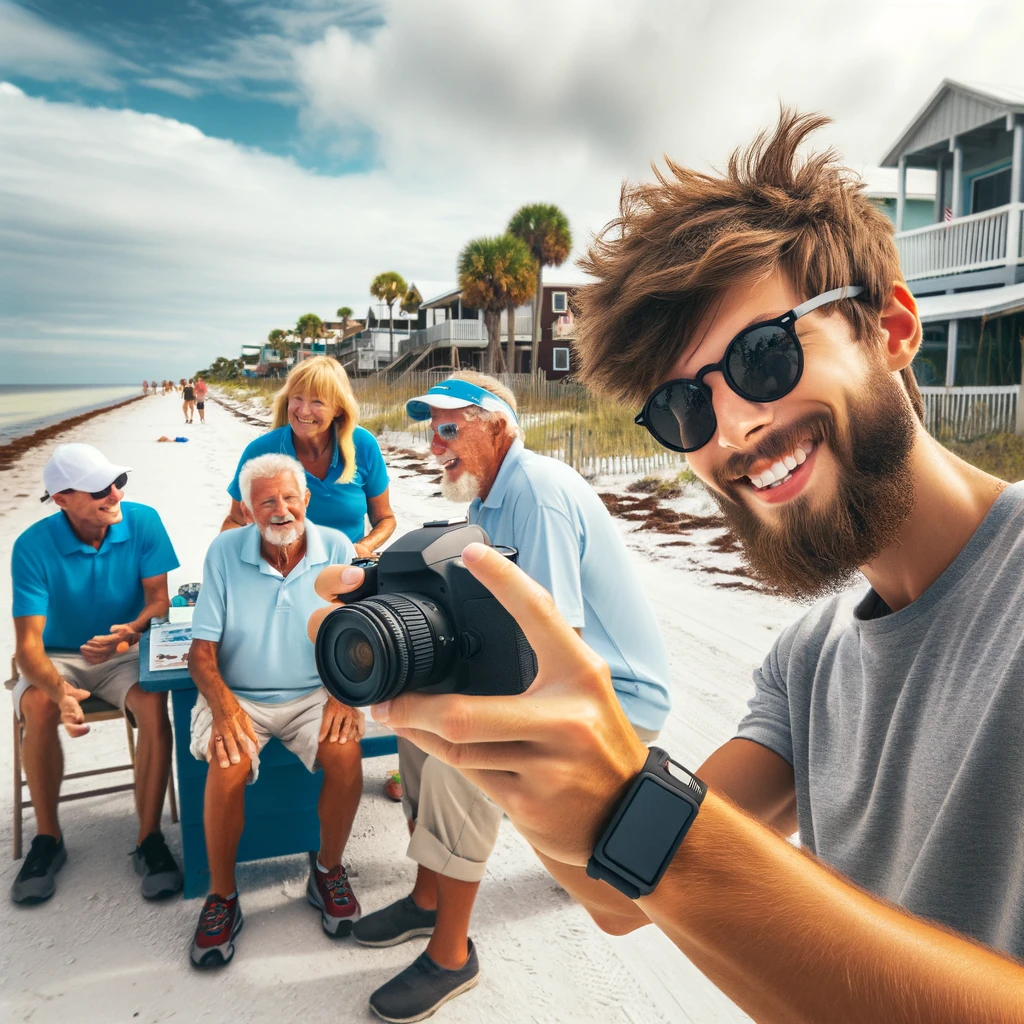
{"points": [[449, 333], [966, 266]]}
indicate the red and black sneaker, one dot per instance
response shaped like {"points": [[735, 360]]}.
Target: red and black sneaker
{"points": [[219, 923], [331, 893]]}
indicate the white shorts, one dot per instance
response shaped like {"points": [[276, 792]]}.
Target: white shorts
{"points": [[296, 723], [110, 680]]}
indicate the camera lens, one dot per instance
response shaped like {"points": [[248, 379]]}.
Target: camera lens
{"points": [[377, 648]]}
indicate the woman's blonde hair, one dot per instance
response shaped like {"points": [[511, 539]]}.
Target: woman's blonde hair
{"points": [[324, 378]]}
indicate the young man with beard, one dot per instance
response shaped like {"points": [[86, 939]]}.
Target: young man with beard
{"points": [[566, 541], [762, 320], [256, 675]]}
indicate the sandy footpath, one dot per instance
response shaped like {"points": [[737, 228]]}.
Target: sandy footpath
{"points": [[98, 953]]}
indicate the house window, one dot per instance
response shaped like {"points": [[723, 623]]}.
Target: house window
{"points": [[559, 302], [990, 190], [560, 361]]}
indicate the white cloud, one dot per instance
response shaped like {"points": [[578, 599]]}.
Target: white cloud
{"points": [[33, 47], [171, 85]]}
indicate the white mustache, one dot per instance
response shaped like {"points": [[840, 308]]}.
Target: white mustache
{"points": [[281, 520]]}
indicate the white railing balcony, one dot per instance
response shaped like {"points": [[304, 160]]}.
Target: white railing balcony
{"points": [[977, 242], [461, 333], [523, 327]]}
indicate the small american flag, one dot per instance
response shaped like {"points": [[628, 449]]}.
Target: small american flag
{"points": [[947, 214]]}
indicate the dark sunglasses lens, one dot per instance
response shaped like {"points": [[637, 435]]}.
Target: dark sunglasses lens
{"points": [[681, 417], [764, 363], [118, 483], [448, 431]]}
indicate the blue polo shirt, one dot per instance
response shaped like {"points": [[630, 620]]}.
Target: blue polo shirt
{"points": [[83, 591], [259, 616], [569, 544], [339, 506]]}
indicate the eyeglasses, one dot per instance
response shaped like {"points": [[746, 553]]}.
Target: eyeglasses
{"points": [[119, 483], [763, 363], [447, 431]]}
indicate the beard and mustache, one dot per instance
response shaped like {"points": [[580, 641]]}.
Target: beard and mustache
{"points": [[282, 532], [812, 552]]}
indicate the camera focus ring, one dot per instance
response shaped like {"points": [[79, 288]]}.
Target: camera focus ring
{"points": [[418, 634]]}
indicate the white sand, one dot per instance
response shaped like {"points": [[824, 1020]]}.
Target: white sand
{"points": [[97, 952]]}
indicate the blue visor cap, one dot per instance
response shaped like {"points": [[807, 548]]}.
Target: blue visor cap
{"points": [[456, 394]]}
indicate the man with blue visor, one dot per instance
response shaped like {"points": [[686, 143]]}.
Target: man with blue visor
{"points": [[568, 543]]}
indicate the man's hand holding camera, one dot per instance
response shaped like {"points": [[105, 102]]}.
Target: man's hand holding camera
{"points": [[564, 743]]}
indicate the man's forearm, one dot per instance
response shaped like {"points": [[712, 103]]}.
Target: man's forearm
{"points": [[36, 666], [202, 666], [154, 609], [788, 940]]}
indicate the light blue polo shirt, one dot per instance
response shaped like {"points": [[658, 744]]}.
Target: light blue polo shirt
{"points": [[569, 544], [83, 591], [339, 506], [259, 616]]}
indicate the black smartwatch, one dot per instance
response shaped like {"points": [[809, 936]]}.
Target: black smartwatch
{"points": [[647, 827]]}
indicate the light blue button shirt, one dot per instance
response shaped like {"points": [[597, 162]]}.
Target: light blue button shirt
{"points": [[259, 616], [569, 544]]}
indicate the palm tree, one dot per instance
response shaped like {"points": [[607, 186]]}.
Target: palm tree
{"points": [[276, 338], [545, 229], [412, 300], [493, 272], [344, 313], [309, 325], [389, 287]]}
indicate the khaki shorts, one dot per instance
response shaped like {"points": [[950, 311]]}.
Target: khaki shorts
{"points": [[110, 680], [455, 824], [296, 723]]}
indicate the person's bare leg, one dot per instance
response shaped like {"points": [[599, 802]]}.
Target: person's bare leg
{"points": [[223, 820], [42, 758], [339, 797], [448, 946], [424, 892], [152, 756]]}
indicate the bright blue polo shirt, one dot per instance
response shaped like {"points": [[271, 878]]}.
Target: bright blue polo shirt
{"points": [[569, 544], [259, 616], [339, 506], [83, 591]]}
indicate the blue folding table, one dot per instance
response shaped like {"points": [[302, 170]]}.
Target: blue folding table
{"points": [[280, 809]]}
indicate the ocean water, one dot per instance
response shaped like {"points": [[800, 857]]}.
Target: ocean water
{"points": [[25, 408]]}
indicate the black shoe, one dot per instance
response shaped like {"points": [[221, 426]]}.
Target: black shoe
{"points": [[394, 924], [422, 988], [35, 882], [160, 875]]}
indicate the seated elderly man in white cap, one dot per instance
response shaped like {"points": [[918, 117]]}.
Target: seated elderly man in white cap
{"points": [[87, 580], [255, 670]]}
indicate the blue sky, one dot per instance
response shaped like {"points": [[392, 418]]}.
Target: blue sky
{"points": [[177, 178]]}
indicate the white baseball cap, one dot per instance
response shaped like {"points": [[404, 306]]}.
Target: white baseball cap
{"points": [[79, 467]]}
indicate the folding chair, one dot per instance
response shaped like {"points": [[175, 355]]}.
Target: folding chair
{"points": [[95, 710]]}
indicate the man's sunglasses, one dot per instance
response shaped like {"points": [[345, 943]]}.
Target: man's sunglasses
{"points": [[119, 483], [763, 363], [447, 431]]}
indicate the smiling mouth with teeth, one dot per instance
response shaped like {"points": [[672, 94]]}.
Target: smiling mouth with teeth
{"points": [[782, 470]]}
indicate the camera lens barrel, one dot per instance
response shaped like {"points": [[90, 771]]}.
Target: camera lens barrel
{"points": [[374, 649]]}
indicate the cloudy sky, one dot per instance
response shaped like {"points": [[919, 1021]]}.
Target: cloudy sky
{"points": [[177, 178]]}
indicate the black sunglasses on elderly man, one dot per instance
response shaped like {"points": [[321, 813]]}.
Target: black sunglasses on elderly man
{"points": [[763, 363]]}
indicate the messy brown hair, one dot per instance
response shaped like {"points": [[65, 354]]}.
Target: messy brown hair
{"points": [[680, 241]]}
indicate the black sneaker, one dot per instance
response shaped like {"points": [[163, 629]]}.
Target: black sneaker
{"points": [[160, 875], [422, 988], [394, 924], [35, 882]]}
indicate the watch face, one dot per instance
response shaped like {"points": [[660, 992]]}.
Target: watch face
{"points": [[646, 834]]}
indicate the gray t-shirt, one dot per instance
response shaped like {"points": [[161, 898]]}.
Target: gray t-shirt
{"points": [[906, 736]]}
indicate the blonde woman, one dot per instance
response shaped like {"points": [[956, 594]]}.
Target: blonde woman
{"points": [[315, 421]]}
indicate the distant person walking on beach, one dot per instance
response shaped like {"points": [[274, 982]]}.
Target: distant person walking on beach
{"points": [[145, 387], [87, 580], [257, 678], [315, 420], [188, 403], [201, 392]]}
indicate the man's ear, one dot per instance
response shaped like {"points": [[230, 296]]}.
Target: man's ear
{"points": [[249, 517], [60, 500], [305, 501], [901, 328]]}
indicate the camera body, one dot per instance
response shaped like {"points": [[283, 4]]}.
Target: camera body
{"points": [[421, 621]]}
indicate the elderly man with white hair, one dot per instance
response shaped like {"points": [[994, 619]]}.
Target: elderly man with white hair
{"points": [[255, 670]]}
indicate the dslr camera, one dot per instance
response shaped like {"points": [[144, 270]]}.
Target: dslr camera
{"points": [[420, 621]]}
